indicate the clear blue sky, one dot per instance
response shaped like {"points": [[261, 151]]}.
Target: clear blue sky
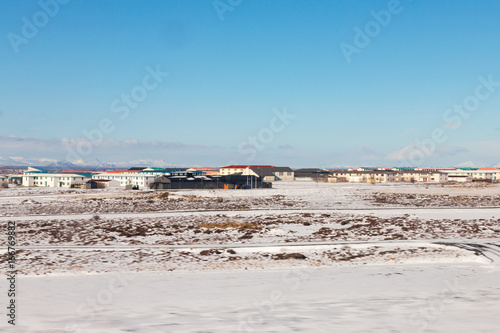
{"points": [[227, 76]]}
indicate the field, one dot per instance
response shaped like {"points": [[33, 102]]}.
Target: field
{"points": [[299, 257]]}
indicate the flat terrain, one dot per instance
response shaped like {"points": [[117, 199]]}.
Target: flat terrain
{"points": [[383, 252]]}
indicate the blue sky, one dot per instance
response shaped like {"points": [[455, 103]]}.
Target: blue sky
{"points": [[227, 79]]}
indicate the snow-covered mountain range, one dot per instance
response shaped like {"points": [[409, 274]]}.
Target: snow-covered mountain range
{"points": [[92, 164]]}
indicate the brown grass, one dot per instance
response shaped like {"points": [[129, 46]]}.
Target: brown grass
{"points": [[163, 196], [227, 225]]}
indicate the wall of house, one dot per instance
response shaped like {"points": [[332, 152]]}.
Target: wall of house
{"points": [[229, 171], [140, 180], [460, 179], [286, 176], [477, 174], [52, 179]]}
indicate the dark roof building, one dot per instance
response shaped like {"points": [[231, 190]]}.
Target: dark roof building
{"points": [[311, 173]]}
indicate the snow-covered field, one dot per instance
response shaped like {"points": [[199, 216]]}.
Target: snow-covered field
{"points": [[462, 297], [301, 257]]}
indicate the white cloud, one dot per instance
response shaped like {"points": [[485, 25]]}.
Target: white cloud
{"points": [[136, 152], [427, 151]]}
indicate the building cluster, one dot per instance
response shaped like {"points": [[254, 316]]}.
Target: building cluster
{"points": [[238, 176], [424, 175], [158, 178]]}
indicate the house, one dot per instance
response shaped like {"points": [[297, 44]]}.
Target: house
{"points": [[240, 181], [137, 169], [270, 174], [310, 174], [169, 172], [459, 178], [189, 181], [139, 179], [363, 169], [101, 183], [4, 181], [442, 169], [482, 174], [491, 174], [234, 181], [16, 179], [423, 176], [374, 176], [232, 169], [285, 174], [337, 179], [161, 183], [37, 177]]}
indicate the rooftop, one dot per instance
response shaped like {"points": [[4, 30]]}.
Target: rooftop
{"points": [[246, 166]]}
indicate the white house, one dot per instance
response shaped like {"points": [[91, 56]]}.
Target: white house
{"points": [[285, 174], [49, 179], [366, 176], [424, 176], [485, 174], [459, 178], [127, 178], [103, 183]]}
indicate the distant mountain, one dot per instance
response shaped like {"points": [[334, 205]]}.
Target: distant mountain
{"points": [[22, 161], [93, 164], [470, 164], [62, 165]]}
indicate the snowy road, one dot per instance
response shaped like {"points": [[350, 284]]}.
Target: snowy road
{"points": [[423, 213], [491, 246]]}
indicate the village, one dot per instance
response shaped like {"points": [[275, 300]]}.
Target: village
{"points": [[210, 226], [250, 166], [235, 176]]}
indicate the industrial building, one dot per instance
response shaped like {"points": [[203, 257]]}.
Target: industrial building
{"points": [[234, 181]]}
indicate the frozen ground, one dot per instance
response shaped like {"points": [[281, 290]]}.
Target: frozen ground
{"points": [[444, 297], [301, 257]]}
